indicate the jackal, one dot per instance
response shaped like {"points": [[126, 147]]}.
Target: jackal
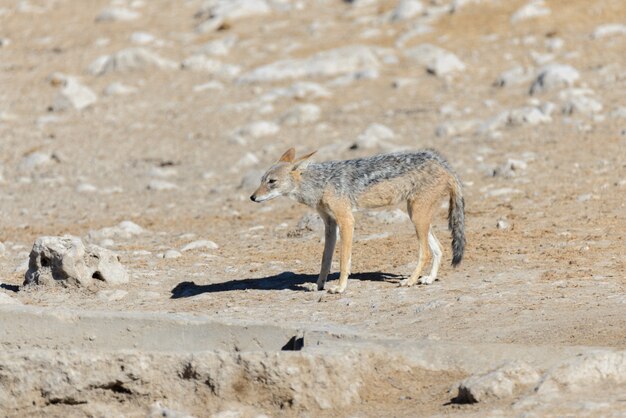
{"points": [[337, 188]]}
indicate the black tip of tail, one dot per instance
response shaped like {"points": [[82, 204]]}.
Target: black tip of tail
{"points": [[458, 248]]}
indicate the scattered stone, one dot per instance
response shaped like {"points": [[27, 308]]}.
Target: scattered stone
{"points": [[502, 192], [348, 79], [251, 180], [4, 42], [161, 185], [68, 261], [584, 197], [407, 9], [203, 63], [415, 31], [514, 76], [256, 130], [163, 172], [583, 373], [119, 89], [86, 188], [609, 29], [329, 63], [211, 85], [248, 160], [220, 47], [130, 59], [200, 244], [509, 169], [502, 224], [437, 60], [73, 95], [619, 112], [224, 12], [2, 249], [457, 127], [117, 14], [310, 222], [389, 216], [301, 115], [171, 254], [501, 383], [157, 410], [579, 101], [533, 9], [141, 38], [123, 230], [112, 294], [375, 135], [37, 159], [299, 91], [554, 76], [403, 82], [527, 115]]}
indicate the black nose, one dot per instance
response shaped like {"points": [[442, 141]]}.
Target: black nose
{"points": [[253, 198]]}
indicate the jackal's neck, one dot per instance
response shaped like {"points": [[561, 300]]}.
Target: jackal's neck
{"points": [[310, 184]]}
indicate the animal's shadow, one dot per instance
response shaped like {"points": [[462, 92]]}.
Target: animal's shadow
{"points": [[286, 280]]}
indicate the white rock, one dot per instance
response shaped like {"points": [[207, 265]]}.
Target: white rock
{"points": [[257, 129], [533, 9], [249, 159], [112, 294], [300, 91], [323, 64], [160, 185], [301, 115], [502, 224], [36, 159], [4, 42], [389, 216], [514, 76], [220, 47], [203, 63], [374, 136], [501, 383], [609, 29], [123, 230], [119, 89], [141, 38], [619, 112], [407, 9], [414, 31], [163, 172], [211, 85], [130, 59], [86, 188], [586, 372], [527, 116], [2, 249], [73, 95], [68, 261], [220, 12], [437, 61], [457, 127], [117, 14], [554, 76], [200, 244], [171, 254], [579, 101]]}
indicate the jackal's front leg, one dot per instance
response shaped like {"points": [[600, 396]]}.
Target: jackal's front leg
{"points": [[346, 230], [330, 239]]}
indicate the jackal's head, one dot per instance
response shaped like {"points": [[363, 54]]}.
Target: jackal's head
{"points": [[282, 178]]}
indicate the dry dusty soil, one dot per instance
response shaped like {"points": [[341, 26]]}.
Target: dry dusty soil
{"points": [[172, 132]]}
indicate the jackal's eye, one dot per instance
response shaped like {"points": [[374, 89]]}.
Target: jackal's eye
{"points": [[271, 181]]}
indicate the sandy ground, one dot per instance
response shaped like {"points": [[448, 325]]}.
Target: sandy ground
{"points": [[554, 277]]}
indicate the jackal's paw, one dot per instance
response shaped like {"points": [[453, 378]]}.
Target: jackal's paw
{"points": [[310, 287], [426, 280], [336, 289], [407, 283]]}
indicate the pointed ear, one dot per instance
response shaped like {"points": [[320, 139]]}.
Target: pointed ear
{"points": [[288, 156], [302, 162]]}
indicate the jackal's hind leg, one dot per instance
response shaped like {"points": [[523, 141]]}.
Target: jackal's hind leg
{"points": [[435, 248], [421, 216]]}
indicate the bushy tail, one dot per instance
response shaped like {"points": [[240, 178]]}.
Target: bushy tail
{"points": [[456, 221]]}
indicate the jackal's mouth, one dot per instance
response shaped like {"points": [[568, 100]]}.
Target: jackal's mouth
{"points": [[259, 199]]}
